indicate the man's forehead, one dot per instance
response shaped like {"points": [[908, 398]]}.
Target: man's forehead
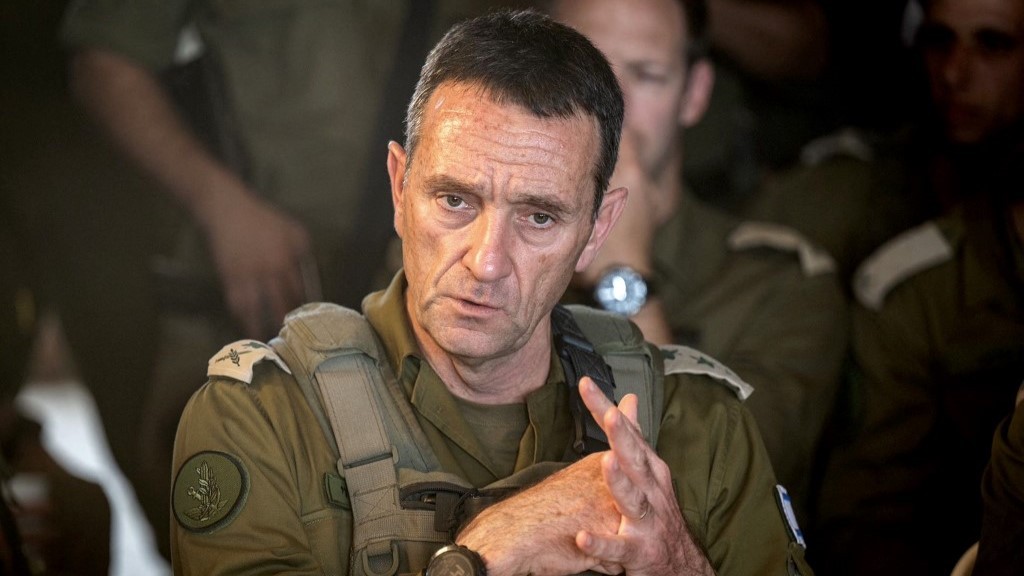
{"points": [[474, 99], [1006, 15], [456, 111]]}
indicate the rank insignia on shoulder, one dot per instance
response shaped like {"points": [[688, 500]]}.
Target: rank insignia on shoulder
{"points": [[785, 503], [814, 261], [237, 359], [209, 491], [686, 360], [900, 258]]}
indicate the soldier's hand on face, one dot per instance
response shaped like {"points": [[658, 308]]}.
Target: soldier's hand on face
{"points": [[631, 240], [653, 538], [258, 251], [534, 531]]}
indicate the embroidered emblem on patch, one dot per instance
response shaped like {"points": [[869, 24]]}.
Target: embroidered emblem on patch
{"points": [[209, 491], [236, 360], [682, 359], [786, 507]]}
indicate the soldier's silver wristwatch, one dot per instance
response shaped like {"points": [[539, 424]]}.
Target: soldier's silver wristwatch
{"points": [[622, 290]]}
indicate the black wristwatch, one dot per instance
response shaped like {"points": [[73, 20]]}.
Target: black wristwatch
{"points": [[622, 290], [455, 560]]}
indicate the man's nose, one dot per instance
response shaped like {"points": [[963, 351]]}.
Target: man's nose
{"points": [[488, 256], [956, 70]]}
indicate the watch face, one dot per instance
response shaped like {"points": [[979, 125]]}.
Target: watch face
{"points": [[621, 290], [455, 561]]}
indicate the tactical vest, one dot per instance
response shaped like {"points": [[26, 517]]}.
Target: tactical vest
{"points": [[404, 506]]}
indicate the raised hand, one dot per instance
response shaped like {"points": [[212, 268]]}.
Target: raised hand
{"points": [[652, 537]]}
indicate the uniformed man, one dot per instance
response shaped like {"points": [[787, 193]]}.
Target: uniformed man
{"points": [[259, 119], [938, 334], [840, 194], [357, 445], [757, 296]]}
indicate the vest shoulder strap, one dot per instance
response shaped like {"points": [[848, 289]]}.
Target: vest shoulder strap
{"points": [[623, 348], [340, 364]]}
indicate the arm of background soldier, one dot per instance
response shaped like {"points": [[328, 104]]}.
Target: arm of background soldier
{"points": [[724, 481], [631, 240], [286, 522], [791, 351], [866, 503], [257, 249]]}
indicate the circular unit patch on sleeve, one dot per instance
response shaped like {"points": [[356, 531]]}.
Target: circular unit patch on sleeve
{"points": [[209, 491]]}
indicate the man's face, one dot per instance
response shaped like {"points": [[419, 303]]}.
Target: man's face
{"points": [[645, 41], [495, 215], [974, 52]]}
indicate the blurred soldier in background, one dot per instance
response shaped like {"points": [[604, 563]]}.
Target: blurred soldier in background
{"points": [[938, 333]]}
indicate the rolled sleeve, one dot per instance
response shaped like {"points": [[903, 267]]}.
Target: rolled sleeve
{"points": [[144, 31]]}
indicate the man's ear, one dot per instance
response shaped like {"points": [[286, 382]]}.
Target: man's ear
{"points": [[396, 172], [607, 215], [700, 81]]}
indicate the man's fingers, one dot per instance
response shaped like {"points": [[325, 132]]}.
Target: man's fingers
{"points": [[619, 424], [599, 405], [612, 551], [279, 300], [629, 406], [594, 399], [244, 301], [629, 499]]}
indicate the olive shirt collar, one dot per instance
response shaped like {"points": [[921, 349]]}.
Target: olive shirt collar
{"points": [[454, 442]]}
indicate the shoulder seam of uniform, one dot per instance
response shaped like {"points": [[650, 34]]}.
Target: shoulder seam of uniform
{"points": [[906, 255], [236, 360], [814, 261], [685, 360]]}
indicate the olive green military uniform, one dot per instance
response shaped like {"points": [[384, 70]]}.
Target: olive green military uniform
{"points": [[766, 303], [839, 196], [283, 519], [302, 85], [939, 342], [1002, 493]]}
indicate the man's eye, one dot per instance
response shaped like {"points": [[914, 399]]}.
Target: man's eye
{"points": [[651, 77], [542, 219], [995, 42], [454, 201]]}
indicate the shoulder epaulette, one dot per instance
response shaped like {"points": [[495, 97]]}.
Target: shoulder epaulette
{"points": [[813, 260], [898, 259], [846, 142], [237, 359], [685, 360]]}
